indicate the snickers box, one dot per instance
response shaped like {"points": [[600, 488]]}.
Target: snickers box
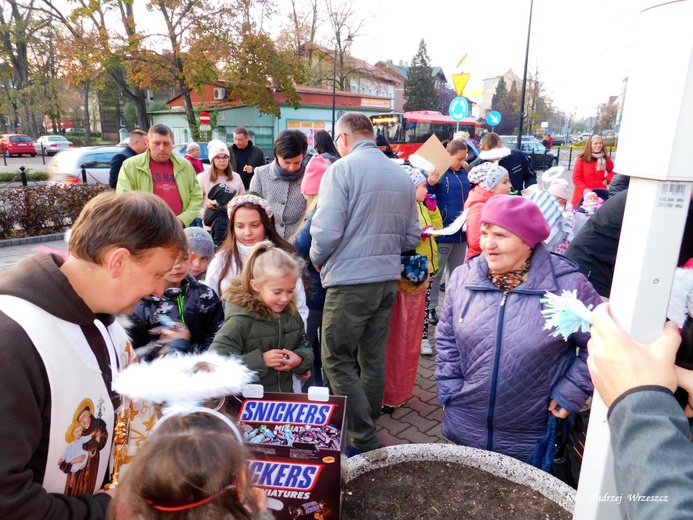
{"points": [[296, 449]]}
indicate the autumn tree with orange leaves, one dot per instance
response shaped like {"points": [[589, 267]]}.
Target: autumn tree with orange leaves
{"points": [[190, 44]]}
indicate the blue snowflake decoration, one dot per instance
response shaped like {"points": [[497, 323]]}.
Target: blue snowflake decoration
{"points": [[565, 313]]}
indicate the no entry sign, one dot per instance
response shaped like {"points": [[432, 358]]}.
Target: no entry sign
{"points": [[205, 118]]}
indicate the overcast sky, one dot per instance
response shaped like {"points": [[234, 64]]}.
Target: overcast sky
{"points": [[582, 49]]}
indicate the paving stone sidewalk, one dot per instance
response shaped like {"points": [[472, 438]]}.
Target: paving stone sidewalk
{"points": [[13, 251], [419, 419]]}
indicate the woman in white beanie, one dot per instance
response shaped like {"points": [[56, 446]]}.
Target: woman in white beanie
{"points": [[219, 172], [487, 179]]}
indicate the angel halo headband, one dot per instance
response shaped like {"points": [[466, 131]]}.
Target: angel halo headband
{"points": [[180, 383], [252, 199]]}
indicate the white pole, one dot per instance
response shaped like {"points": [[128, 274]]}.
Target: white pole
{"points": [[654, 217]]}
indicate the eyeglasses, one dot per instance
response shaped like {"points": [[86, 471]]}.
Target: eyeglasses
{"points": [[336, 139], [222, 157]]}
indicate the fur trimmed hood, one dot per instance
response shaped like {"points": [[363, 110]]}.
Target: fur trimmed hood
{"points": [[251, 302]]}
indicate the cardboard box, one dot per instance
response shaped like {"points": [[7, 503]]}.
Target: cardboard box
{"points": [[297, 448], [435, 153]]}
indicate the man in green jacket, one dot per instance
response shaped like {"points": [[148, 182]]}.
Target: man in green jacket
{"points": [[160, 172]]}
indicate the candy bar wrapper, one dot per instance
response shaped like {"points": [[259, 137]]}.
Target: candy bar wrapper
{"points": [[297, 447]]}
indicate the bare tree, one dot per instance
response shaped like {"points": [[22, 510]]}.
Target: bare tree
{"points": [[301, 29], [538, 106], [345, 25]]}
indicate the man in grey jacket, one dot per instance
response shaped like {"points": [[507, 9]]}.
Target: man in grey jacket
{"points": [[365, 218], [650, 434]]}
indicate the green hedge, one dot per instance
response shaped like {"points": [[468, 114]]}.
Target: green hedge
{"points": [[31, 177], [42, 210]]}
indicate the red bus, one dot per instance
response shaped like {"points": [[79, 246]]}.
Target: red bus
{"points": [[407, 131]]}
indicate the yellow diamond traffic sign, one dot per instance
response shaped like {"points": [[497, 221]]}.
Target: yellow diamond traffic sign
{"points": [[460, 81]]}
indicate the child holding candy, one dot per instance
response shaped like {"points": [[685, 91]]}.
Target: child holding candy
{"points": [[262, 324]]}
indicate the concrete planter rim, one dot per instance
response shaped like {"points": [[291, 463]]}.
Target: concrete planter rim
{"points": [[491, 462]]}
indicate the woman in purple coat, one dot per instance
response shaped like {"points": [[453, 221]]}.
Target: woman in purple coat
{"points": [[499, 373]]}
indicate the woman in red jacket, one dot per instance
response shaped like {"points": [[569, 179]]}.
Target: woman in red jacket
{"points": [[593, 168]]}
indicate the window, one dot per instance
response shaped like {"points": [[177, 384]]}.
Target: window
{"points": [[98, 160], [103, 160], [89, 161]]}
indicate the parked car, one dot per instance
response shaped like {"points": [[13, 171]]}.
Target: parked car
{"points": [[66, 166], [17, 144], [558, 140], [580, 138], [52, 144], [510, 141], [540, 157], [181, 150]]}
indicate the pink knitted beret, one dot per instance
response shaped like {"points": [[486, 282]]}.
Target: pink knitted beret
{"points": [[520, 216]]}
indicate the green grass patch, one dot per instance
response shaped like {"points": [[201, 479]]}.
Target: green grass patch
{"points": [[31, 177]]}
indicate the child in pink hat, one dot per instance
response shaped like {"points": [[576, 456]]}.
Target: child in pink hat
{"points": [[591, 202], [315, 169]]}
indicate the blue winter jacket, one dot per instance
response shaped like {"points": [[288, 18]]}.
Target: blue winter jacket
{"points": [[301, 241], [497, 368], [451, 192]]}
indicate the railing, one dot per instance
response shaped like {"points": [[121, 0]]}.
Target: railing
{"points": [[43, 154]]}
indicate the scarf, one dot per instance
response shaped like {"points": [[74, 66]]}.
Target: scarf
{"points": [[284, 175], [510, 280], [601, 161], [243, 252]]}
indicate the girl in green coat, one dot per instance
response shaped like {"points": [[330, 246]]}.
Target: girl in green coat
{"points": [[261, 323]]}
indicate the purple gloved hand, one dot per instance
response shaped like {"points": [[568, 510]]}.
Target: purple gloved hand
{"points": [[426, 232], [430, 202]]}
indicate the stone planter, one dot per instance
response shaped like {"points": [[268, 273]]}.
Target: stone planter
{"points": [[493, 463]]}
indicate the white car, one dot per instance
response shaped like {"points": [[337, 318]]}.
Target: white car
{"points": [[66, 166], [510, 141], [52, 144]]}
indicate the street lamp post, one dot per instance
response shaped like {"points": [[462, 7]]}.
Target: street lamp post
{"points": [[347, 44], [524, 79]]}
